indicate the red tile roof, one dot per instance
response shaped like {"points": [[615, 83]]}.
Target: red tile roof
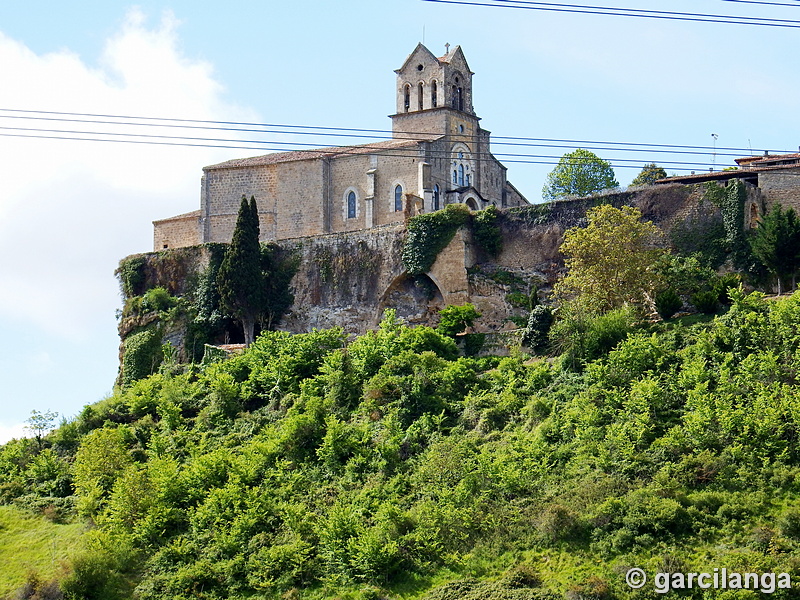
{"points": [[190, 215], [333, 152]]}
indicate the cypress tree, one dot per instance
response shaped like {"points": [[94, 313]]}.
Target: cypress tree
{"points": [[240, 279], [777, 243]]}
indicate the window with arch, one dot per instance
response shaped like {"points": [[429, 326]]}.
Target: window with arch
{"points": [[457, 99], [434, 94], [455, 177], [420, 95], [351, 205], [398, 198], [407, 97], [461, 175], [436, 194]]}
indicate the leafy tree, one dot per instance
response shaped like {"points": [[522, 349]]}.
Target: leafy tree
{"points": [[240, 278], [613, 260], [456, 319], [40, 423], [579, 173], [777, 243], [649, 175]]}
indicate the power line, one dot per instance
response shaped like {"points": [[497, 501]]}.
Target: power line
{"points": [[361, 132], [628, 12], [343, 150], [763, 3]]}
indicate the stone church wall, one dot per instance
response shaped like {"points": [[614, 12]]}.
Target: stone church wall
{"points": [[177, 232]]}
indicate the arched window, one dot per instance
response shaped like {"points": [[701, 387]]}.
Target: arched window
{"points": [[351, 205], [460, 99], [468, 180], [434, 93], [454, 97], [455, 177], [398, 198], [436, 197], [407, 97], [461, 175], [421, 95]]}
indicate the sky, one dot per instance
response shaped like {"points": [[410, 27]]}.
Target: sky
{"points": [[70, 210]]}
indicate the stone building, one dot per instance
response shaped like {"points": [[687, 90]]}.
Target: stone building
{"points": [[771, 179], [438, 155]]}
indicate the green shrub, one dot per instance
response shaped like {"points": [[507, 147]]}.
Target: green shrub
{"points": [[131, 275], [158, 299], [789, 523], [538, 327], [519, 299], [557, 523], [142, 355], [668, 303], [723, 284], [581, 335], [456, 319], [706, 301], [473, 343]]}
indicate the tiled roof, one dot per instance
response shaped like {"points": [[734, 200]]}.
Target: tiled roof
{"points": [[333, 152], [190, 215], [768, 160]]}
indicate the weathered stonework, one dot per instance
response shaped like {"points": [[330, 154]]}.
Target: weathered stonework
{"points": [[438, 155]]}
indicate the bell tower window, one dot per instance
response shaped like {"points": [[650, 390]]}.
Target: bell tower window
{"points": [[407, 97], [420, 95], [434, 93]]}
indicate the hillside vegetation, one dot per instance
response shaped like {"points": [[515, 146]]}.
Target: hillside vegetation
{"points": [[32, 548], [390, 466], [386, 467]]}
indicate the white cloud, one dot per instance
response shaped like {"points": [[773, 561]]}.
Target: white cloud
{"points": [[9, 432], [70, 210]]}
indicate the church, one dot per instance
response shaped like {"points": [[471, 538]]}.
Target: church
{"points": [[438, 154]]}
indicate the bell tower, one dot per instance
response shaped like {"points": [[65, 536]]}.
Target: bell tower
{"points": [[432, 92]]}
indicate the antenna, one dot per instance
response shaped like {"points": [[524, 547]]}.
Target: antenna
{"points": [[714, 155]]}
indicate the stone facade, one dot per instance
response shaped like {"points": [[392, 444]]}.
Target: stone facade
{"points": [[177, 232], [770, 180], [438, 155]]}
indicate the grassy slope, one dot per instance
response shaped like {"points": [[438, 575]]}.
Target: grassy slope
{"points": [[32, 544]]}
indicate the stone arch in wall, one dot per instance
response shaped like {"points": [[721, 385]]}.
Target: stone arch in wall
{"points": [[415, 298], [471, 203]]}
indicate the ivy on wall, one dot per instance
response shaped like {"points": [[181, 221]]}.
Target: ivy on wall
{"points": [[142, 355], [486, 230], [733, 219], [131, 275], [427, 235]]}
